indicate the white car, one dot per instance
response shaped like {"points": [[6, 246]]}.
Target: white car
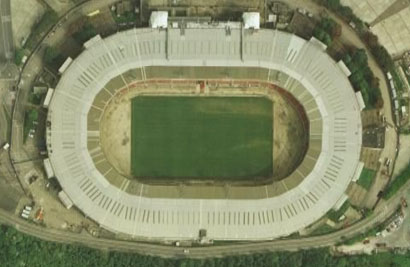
{"points": [[31, 133], [6, 146]]}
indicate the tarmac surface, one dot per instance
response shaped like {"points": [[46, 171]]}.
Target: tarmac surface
{"points": [[6, 34], [383, 212]]}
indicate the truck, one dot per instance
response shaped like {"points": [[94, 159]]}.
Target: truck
{"points": [[49, 95]]}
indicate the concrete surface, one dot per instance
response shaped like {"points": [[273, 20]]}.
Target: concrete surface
{"points": [[389, 20], [25, 14], [6, 34]]}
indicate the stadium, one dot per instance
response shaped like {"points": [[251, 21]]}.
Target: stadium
{"points": [[213, 72]]}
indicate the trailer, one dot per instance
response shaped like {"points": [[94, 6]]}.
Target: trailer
{"points": [[48, 168], [49, 95], [65, 65]]}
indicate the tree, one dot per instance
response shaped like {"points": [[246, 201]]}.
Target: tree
{"points": [[18, 56], [383, 57], [85, 33], [346, 12], [337, 30], [50, 54], [333, 4], [321, 35], [360, 57]]}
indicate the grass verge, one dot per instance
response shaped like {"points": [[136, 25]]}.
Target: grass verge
{"points": [[366, 178], [397, 183], [335, 215]]}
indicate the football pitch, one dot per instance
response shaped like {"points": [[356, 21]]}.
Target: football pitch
{"points": [[178, 137]]}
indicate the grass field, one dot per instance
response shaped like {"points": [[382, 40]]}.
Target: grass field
{"points": [[201, 137], [366, 178]]}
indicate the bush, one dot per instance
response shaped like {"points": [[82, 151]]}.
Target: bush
{"points": [[50, 54], [53, 57], [322, 36], [18, 56], [326, 30], [382, 57], [85, 33]]}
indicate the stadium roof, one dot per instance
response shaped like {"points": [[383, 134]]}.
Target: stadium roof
{"points": [[251, 20], [159, 19], [301, 67]]}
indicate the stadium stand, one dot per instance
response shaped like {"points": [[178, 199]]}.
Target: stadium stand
{"points": [[239, 213]]}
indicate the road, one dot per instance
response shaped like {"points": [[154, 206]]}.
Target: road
{"points": [[18, 151], [6, 33], [381, 214]]}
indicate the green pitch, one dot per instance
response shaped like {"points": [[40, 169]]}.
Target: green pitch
{"points": [[201, 137]]}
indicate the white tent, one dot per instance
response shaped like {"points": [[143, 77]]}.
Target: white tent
{"points": [[251, 20], [159, 19]]}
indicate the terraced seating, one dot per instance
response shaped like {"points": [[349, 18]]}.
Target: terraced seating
{"points": [[177, 212]]}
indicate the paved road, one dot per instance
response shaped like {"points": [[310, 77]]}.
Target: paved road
{"points": [[6, 33], [381, 214], [7, 68], [20, 152]]}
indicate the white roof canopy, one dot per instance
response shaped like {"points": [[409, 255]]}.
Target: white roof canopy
{"points": [[159, 19], [251, 20]]}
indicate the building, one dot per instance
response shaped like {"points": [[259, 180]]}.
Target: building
{"points": [[300, 67]]}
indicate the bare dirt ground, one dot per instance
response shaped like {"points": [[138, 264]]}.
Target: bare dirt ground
{"points": [[357, 194], [371, 158], [290, 136], [24, 15], [115, 133]]}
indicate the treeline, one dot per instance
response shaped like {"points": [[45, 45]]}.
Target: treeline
{"points": [[17, 249], [362, 78], [326, 30], [356, 60], [380, 53], [344, 11]]}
